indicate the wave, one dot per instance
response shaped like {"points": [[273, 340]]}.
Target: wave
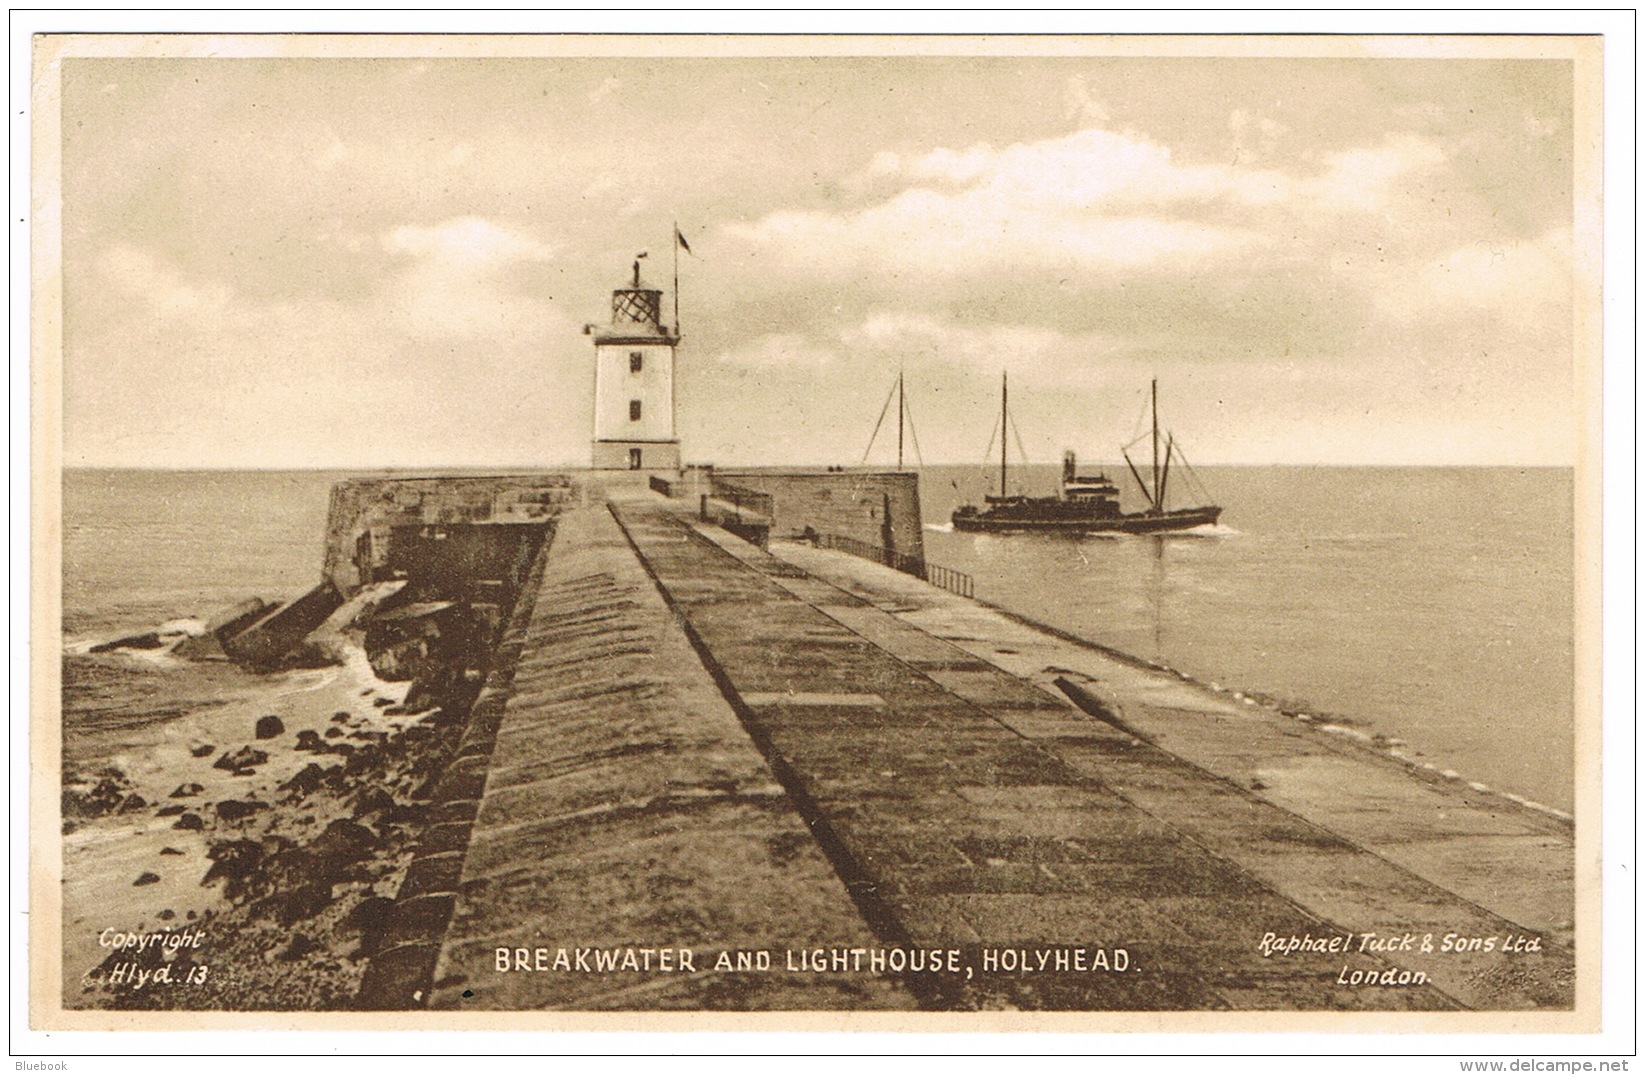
{"points": [[1392, 747]]}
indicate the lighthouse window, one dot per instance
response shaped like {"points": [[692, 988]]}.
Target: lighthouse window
{"points": [[636, 361], [633, 410]]}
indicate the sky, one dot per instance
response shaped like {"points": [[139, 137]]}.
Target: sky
{"points": [[363, 263]]}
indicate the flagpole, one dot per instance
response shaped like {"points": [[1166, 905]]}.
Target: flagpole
{"points": [[676, 245]]}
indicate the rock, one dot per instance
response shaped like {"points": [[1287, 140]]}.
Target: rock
{"points": [[309, 740], [411, 814], [343, 714], [267, 640], [190, 823], [270, 727], [233, 861], [244, 758], [170, 851], [306, 781], [132, 802], [166, 915], [187, 791], [191, 916], [382, 703], [342, 843], [334, 733], [299, 885], [289, 867], [372, 800], [305, 901], [102, 797], [170, 810], [369, 919], [203, 750], [301, 945], [239, 809], [150, 640], [146, 878], [362, 760]]}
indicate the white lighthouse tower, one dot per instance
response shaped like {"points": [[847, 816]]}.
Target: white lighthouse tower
{"points": [[634, 383]]}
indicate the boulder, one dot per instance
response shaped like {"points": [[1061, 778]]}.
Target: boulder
{"points": [[270, 726], [146, 878], [341, 844], [106, 795], [372, 800], [132, 802], [189, 823], [305, 901], [185, 791], [239, 809], [233, 861], [202, 750], [301, 945], [244, 758], [269, 638], [369, 919], [306, 780], [170, 851], [170, 810], [309, 740], [150, 640]]}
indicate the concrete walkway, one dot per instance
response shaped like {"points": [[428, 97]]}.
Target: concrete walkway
{"points": [[967, 804], [703, 741], [626, 809]]}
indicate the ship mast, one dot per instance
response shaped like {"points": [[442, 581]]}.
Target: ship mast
{"points": [[1003, 434], [1153, 392]]}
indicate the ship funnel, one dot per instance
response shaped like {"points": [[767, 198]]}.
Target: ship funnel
{"points": [[1068, 467]]}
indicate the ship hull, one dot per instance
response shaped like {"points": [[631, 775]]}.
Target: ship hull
{"points": [[1136, 523]]}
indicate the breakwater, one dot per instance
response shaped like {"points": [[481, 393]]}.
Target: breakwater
{"points": [[676, 770], [968, 807]]}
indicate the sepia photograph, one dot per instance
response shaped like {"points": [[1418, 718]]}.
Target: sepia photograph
{"points": [[975, 533]]}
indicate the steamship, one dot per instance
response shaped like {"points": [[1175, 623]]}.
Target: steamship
{"points": [[1088, 504]]}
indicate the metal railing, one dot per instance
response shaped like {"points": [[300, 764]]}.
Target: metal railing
{"points": [[953, 581], [956, 582]]}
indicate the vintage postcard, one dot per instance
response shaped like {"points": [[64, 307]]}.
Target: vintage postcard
{"points": [[878, 533]]}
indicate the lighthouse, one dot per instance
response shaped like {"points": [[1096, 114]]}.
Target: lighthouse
{"points": [[634, 383]]}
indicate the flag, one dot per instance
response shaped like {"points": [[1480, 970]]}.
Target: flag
{"points": [[681, 240]]}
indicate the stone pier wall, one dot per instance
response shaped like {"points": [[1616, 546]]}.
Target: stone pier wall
{"points": [[877, 507]]}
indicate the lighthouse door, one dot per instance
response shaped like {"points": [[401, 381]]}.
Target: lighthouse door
{"points": [[634, 459]]}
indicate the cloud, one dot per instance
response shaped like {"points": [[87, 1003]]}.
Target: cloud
{"points": [[1525, 285], [166, 293], [462, 279], [465, 240], [1093, 201]]}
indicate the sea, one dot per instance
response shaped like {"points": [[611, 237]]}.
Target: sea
{"points": [[1430, 608]]}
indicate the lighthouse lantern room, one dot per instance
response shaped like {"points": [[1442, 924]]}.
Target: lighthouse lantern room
{"points": [[634, 383]]}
